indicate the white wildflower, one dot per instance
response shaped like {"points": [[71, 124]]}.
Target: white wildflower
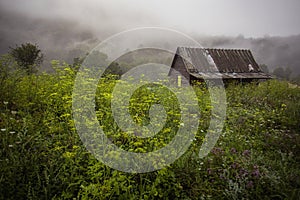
{"points": [[13, 112]]}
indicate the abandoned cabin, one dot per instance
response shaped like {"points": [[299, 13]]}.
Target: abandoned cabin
{"points": [[203, 64]]}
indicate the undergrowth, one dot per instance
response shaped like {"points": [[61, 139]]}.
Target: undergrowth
{"points": [[42, 156]]}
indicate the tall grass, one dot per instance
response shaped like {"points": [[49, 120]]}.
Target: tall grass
{"points": [[42, 156]]}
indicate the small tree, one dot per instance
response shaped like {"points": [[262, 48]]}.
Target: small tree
{"points": [[288, 73], [279, 72], [264, 68], [28, 56], [283, 73]]}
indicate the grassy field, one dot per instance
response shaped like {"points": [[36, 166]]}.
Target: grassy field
{"points": [[42, 156]]}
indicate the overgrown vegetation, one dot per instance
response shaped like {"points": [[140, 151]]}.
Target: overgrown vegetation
{"points": [[42, 156], [28, 56]]}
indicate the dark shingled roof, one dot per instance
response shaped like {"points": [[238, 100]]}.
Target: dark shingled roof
{"points": [[227, 63]]}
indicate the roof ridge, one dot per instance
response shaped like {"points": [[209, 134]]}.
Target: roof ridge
{"points": [[211, 48]]}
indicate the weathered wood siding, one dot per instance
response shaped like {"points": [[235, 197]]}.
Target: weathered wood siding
{"points": [[178, 69]]}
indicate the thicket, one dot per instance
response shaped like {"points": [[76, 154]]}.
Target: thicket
{"points": [[42, 156]]}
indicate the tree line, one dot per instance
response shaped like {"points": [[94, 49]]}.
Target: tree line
{"points": [[29, 57]]}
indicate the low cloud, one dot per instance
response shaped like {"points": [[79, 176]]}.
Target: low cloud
{"points": [[70, 28]]}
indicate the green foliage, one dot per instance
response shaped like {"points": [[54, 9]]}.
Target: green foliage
{"points": [[296, 80], [283, 73], [96, 59], [42, 156], [264, 68], [28, 56]]}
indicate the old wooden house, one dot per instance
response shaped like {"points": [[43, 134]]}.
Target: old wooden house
{"points": [[202, 64]]}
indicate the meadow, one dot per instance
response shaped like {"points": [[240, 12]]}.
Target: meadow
{"points": [[43, 157]]}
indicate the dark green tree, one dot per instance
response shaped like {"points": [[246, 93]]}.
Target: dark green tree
{"points": [[96, 59], [264, 68], [288, 73], [280, 72], [28, 56], [296, 79]]}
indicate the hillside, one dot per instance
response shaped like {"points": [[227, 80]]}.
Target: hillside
{"points": [[42, 156]]}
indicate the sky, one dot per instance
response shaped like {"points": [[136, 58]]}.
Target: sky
{"points": [[255, 18]]}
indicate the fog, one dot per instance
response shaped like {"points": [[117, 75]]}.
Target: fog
{"points": [[213, 17], [68, 28]]}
